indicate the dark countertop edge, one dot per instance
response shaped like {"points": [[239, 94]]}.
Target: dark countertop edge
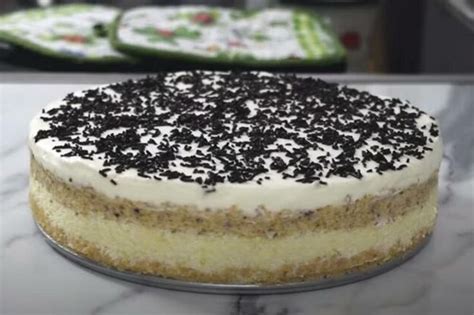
{"points": [[97, 78]]}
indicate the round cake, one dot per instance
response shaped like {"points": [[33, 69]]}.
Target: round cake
{"points": [[230, 177]]}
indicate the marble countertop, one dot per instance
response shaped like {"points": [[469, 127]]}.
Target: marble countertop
{"points": [[440, 280]]}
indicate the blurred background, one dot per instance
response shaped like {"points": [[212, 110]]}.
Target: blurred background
{"points": [[403, 36]]}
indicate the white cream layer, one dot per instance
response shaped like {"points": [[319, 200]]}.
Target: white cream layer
{"points": [[275, 195], [214, 253]]}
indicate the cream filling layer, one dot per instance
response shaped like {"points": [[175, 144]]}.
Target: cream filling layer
{"points": [[276, 195], [207, 253]]}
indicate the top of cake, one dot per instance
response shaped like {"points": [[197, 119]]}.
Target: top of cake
{"points": [[211, 129]]}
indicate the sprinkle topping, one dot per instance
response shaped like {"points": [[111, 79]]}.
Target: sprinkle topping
{"points": [[215, 127]]}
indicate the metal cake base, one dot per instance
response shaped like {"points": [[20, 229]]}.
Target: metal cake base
{"points": [[216, 288]]}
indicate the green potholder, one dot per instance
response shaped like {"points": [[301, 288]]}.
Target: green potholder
{"points": [[271, 37], [76, 32]]}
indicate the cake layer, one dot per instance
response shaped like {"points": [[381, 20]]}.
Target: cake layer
{"points": [[368, 211], [129, 245], [249, 141], [246, 197]]}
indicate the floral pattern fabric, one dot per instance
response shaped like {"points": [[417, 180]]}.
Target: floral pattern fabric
{"points": [[77, 31], [267, 35]]}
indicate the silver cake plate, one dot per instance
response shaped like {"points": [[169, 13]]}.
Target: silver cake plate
{"points": [[216, 288]]}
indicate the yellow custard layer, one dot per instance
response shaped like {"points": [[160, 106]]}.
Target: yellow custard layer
{"points": [[210, 253]]}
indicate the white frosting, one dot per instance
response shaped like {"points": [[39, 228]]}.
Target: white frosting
{"points": [[275, 195]]}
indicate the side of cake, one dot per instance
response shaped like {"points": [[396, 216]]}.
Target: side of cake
{"points": [[234, 178]]}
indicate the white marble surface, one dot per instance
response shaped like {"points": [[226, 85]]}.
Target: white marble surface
{"points": [[440, 280]]}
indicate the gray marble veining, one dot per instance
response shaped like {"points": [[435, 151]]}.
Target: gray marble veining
{"points": [[440, 280]]}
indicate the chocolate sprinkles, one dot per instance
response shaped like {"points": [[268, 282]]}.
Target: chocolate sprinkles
{"points": [[210, 128]]}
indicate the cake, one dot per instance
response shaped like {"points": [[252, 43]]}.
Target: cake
{"points": [[241, 178]]}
